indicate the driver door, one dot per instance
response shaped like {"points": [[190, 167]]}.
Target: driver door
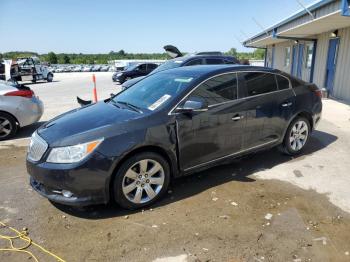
{"points": [[215, 131]]}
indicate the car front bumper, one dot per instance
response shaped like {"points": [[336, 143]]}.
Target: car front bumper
{"points": [[88, 182]]}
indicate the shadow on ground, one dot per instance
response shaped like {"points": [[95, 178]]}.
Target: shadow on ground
{"points": [[27, 131], [236, 170], [38, 83]]}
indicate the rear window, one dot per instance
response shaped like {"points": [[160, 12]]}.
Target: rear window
{"points": [[258, 83], [282, 82]]}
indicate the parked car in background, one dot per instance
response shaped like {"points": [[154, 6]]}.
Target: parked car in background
{"points": [[133, 71], [87, 69], [165, 126], [19, 107], [104, 68], [202, 58], [96, 68]]}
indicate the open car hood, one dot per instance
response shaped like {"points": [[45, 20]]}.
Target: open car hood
{"points": [[172, 51]]}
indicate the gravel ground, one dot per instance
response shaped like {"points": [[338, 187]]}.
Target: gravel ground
{"points": [[265, 207]]}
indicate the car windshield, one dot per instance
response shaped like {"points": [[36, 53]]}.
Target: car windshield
{"points": [[168, 65], [155, 91]]}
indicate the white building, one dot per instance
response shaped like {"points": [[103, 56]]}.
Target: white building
{"points": [[312, 44]]}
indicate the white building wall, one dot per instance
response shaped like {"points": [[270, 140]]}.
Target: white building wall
{"points": [[341, 88], [342, 73], [321, 59]]}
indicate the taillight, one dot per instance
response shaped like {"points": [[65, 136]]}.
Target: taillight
{"points": [[318, 93], [22, 93]]}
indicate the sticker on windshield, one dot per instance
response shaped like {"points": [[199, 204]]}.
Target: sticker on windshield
{"points": [[159, 102], [183, 80]]}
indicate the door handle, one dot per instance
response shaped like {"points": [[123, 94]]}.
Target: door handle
{"points": [[287, 104], [237, 117]]}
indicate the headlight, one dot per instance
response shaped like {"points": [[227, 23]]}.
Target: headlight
{"points": [[119, 74], [72, 154]]}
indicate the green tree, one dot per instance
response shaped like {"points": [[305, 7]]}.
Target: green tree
{"points": [[52, 58], [232, 52], [121, 53], [66, 59]]}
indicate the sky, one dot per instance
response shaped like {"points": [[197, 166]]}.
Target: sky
{"points": [[136, 26]]}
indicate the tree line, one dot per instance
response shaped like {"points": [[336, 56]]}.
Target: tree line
{"points": [[80, 58]]}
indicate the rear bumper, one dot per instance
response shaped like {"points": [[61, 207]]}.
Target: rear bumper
{"points": [[88, 181], [30, 112]]}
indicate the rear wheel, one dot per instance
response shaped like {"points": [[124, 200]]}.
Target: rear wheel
{"points": [[49, 78], [296, 136], [141, 180], [8, 126]]}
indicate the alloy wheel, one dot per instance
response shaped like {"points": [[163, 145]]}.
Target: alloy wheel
{"points": [[143, 181], [298, 135], [5, 127]]}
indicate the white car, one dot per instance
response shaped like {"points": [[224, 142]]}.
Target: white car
{"points": [[19, 107]]}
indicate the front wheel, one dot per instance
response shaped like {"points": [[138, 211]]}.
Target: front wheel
{"points": [[141, 180], [296, 136]]}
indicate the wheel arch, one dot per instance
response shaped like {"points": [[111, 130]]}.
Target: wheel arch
{"points": [[8, 113], [302, 113], [146, 148]]}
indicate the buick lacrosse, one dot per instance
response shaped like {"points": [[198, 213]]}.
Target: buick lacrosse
{"points": [[127, 148]]}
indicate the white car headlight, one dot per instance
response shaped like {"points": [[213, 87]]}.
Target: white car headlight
{"points": [[72, 154], [119, 74]]}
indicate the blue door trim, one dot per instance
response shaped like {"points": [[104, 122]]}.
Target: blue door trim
{"points": [[344, 6], [312, 69], [294, 60], [300, 60], [333, 48]]}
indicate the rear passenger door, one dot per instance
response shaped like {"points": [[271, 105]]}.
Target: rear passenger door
{"points": [[268, 106]]}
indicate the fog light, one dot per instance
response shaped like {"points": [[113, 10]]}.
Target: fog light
{"points": [[67, 193]]}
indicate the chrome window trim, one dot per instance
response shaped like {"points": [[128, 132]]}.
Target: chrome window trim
{"points": [[230, 155], [236, 72]]}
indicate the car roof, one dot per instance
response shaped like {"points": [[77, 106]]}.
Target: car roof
{"points": [[204, 70], [189, 57]]}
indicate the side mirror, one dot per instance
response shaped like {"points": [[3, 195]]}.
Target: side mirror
{"points": [[191, 106]]}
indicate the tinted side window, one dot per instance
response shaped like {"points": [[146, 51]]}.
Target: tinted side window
{"points": [[282, 82], [214, 61], [142, 67], [218, 89], [259, 83], [194, 62], [151, 66]]}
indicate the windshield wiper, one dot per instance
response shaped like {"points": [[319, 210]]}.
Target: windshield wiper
{"points": [[133, 107], [114, 103]]}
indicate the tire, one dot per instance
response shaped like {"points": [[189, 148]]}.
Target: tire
{"points": [[49, 78], [133, 187], [34, 79], [8, 126], [296, 137]]}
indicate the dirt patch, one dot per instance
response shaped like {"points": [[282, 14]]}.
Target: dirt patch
{"points": [[196, 221]]}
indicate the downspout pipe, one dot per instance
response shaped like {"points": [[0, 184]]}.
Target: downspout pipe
{"points": [[312, 70]]}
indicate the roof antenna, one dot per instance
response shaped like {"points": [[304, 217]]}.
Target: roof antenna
{"points": [[262, 28], [237, 38], [244, 34], [306, 9]]}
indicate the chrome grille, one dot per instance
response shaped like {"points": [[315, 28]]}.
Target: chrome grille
{"points": [[37, 147]]}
